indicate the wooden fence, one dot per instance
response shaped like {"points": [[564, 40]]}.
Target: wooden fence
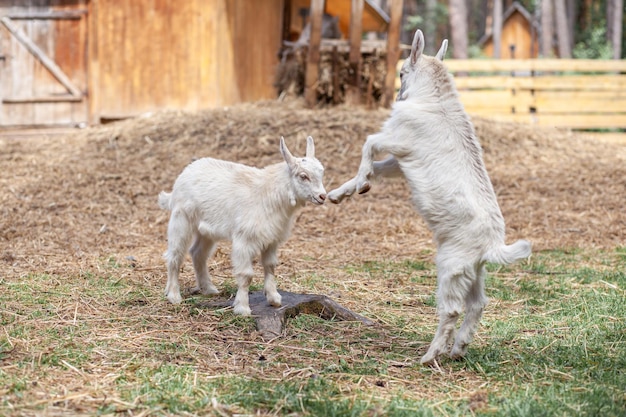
{"points": [[573, 93]]}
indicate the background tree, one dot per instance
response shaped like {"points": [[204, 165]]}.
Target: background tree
{"points": [[458, 28], [497, 28], [614, 27], [568, 28], [547, 28], [562, 29]]}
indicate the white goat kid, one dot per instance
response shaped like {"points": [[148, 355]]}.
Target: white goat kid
{"points": [[215, 200], [432, 143]]}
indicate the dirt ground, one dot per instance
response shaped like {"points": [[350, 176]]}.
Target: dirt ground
{"points": [[68, 201], [71, 204]]}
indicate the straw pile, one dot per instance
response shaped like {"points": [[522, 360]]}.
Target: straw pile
{"points": [[94, 193]]}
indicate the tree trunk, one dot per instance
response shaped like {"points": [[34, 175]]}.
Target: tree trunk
{"points": [[547, 28], [430, 27], [458, 25], [497, 28], [562, 29], [615, 15], [270, 321]]}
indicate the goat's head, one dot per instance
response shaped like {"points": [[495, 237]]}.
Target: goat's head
{"points": [[307, 173], [421, 74]]}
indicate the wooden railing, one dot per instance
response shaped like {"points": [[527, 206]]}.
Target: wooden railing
{"points": [[574, 93]]}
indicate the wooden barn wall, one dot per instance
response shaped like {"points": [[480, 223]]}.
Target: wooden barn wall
{"points": [[189, 54], [29, 93]]}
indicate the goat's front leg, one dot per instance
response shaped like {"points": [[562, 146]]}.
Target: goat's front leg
{"points": [[242, 256], [269, 261], [366, 169], [388, 167]]}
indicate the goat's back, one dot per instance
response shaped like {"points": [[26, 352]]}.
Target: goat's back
{"points": [[223, 198]]}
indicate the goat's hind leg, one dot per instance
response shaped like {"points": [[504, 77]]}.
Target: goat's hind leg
{"points": [[201, 250], [178, 237], [475, 303], [453, 285]]}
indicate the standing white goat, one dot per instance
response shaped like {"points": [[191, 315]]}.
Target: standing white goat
{"points": [[215, 200], [432, 143]]}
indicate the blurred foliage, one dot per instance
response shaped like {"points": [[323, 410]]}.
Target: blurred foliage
{"points": [[589, 33], [594, 46]]}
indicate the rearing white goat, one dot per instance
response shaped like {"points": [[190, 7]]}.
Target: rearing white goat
{"points": [[215, 200], [432, 143]]}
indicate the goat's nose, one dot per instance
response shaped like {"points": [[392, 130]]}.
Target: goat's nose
{"points": [[323, 197]]}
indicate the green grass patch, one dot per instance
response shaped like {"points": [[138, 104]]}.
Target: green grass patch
{"points": [[552, 342]]}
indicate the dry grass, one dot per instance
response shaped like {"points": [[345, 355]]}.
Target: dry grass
{"points": [[80, 212]]}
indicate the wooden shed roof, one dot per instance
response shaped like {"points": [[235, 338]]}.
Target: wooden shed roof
{"points": [[515, 7], [374, 18]]}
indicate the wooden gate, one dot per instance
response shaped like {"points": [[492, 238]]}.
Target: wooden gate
{"points": [[43, 67]]}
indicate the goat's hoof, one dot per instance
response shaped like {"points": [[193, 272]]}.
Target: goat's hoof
{"points": [[336, 196], [174, 298], [204, 291], [458, 352], [242, 310], [429, 358], [365, 187], [274, 300]]}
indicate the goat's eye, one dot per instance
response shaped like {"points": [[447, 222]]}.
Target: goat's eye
{"points": [[304, 177]]}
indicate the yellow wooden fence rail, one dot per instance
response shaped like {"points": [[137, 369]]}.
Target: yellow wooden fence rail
{"points": [[574, 93]]}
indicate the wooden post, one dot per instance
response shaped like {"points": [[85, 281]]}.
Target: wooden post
{"points": [[311, 76], [336, 86], [393, 50], [353, 93]]}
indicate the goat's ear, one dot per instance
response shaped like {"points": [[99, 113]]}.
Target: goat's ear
{"points": [[417, 47], [442, 51], [310, 147], [287, 156]]}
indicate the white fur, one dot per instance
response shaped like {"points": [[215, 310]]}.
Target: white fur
{"points": [[432, 143], [215, 200]]}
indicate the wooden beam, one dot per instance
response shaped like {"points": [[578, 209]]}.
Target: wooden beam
{"points": [[393, 50], [50, 15], [42, 57], [507, 65], [353, 93], [311, 77], [25, 100]]}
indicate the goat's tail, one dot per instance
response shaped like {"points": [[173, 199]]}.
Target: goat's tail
{"points": [[507, 254], [164, 200]]}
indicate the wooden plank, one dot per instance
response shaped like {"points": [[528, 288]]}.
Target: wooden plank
{"points": [[497, 98], [393, 51], [544, 101], [579, 103], [47, 99], [572, 121], [583, 121], [20, 77], [553, 82], [49, 15], [368, 46], [312, 68], [353, 93], [546, 65], [38, 53]]}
